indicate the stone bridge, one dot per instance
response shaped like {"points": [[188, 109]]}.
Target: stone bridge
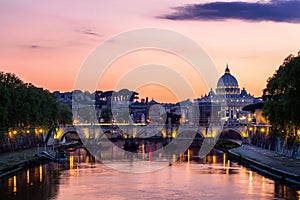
{"points": [[245, 131]]}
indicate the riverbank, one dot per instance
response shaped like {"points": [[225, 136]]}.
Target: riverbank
{"points": [[270, 163], [225, 145], [12, 162]]}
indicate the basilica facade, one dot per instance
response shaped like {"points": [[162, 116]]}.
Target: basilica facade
{"points": [[229, 94]]}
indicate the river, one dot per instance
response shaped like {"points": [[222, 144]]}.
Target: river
{"points": [[186, 177]]}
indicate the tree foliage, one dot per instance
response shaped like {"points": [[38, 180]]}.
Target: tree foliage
{"points": [[23, 104], [106, 114], [282, 96], [64, 114]]}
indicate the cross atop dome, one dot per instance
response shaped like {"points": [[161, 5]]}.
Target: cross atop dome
{"points": [[227, 71]]}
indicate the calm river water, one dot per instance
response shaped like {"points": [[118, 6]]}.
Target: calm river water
{"points": [[213, 177]]}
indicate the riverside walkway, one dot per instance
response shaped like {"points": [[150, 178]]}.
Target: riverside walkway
{"points": [[270, 162], [11, 162]]}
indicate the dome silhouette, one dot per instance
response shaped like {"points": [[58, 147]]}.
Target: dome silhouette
{"points": [[227, 80], [227, 84]]}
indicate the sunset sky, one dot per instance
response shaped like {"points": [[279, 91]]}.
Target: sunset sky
{"points": [[46, 42]]}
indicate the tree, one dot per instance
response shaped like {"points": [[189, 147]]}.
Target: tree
{"points": [[4, 105], [282, 96], [65, 114], [23, 104], [106, 114]]}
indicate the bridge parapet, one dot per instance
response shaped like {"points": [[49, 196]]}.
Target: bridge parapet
{"points": [[246, 131]]}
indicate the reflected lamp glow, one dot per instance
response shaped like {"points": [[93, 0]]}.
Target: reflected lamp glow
{"points": [[28, 176], [189, 155], [15, 184], [41, 173]]}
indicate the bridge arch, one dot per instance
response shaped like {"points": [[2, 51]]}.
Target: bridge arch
{"points": [[67, 132], [232, 133]]}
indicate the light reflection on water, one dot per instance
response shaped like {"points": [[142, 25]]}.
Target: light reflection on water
{"points": [[213, 177]]}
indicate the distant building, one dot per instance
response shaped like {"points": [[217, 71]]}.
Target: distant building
{"points": [[63, 98], [228, 92]]}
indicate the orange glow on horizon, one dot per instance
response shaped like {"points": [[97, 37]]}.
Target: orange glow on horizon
{"points": [[158, 93], [132, 71]]}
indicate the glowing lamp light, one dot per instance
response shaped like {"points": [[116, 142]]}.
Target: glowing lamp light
{"points": [[250, 128], [244, 134], [262, 130], [15, 132], [41, 130], [28, 131], [174, 134]]}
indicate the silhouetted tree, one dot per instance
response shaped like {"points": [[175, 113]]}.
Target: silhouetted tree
{"points": [[282, 95], [64, 114], [106, 114], [23, 104]]}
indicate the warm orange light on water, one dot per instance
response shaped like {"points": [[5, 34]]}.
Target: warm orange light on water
{"points": [[189, 155], [71, 162], [174, 157], [214, 159], [41, 173], [224, 160], [181, 157], [227, 168], [263, 179], [28, 176], [15, 184], [250, 176]]}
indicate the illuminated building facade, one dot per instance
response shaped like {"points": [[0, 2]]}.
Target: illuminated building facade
{"points": [[228, 92]]}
